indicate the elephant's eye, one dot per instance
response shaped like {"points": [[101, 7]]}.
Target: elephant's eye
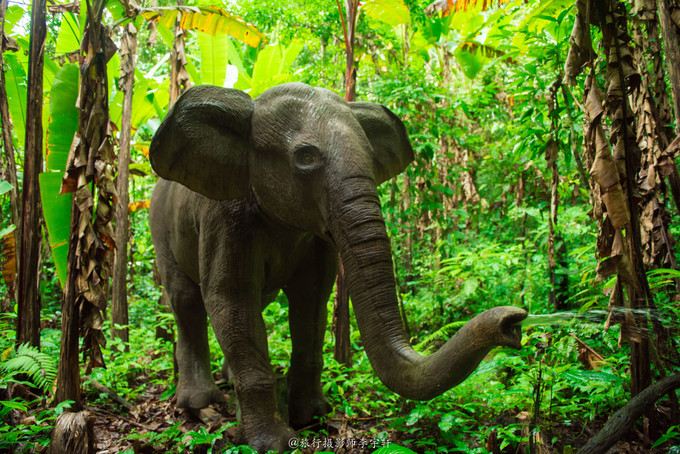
{"points": [[308, 159]]}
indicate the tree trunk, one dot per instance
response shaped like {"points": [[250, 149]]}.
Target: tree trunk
{"points": [[119, 303], [68, 372], [10, 165], [343, 350], [179, 78], [8, 172], [91, 236], [671, 39], [28, 320], [556, 251], [551, 157], [623, 128]]}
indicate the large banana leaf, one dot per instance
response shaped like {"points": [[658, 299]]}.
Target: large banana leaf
{"points": [[144, 97], [15, 82], [57, 212], [392, 12], [68, 39], [63, 119], [213, 58], [208, 19], [62, 126], [272, 67]]}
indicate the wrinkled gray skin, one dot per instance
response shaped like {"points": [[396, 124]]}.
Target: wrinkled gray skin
{"points": [[263, 196]]}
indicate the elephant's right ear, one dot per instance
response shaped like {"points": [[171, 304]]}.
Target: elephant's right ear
{"points": [[203, 142], [392, 150]]}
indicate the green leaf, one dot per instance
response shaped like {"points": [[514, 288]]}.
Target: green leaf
{"points": [[391, 12], [63, 117], [272, 67], [7, 230], [13, 15], [393, 449], [236, 60], [213, 58], [15, 80], [60, 132], [470, 63], [57, 212], [5, 187], [68, 38]]}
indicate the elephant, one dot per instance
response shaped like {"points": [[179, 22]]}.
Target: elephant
{"points": [[259, 196]]}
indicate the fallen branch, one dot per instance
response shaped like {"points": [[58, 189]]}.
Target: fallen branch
{"points": [[621, 421], [587, 347], [106, 390]]}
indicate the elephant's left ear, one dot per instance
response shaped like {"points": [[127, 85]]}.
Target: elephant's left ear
{"points": [[392, 150]]}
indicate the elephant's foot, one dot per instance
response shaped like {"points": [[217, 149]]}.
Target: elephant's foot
{"points": [[274, 436], [196, 396], [303, 411]]}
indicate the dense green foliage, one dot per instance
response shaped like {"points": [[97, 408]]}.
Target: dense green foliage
{"points": [[468, 224]]}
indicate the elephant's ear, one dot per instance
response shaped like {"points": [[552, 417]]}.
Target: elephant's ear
{"points": [[392, 150], [203, 142]]}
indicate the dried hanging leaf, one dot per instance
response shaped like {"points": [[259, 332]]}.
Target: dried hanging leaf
{"points": [[581, 47], [605, 172], [90, 160], [8, 260]]}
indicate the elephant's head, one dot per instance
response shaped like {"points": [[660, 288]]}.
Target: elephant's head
{"points": [[313, 162]]}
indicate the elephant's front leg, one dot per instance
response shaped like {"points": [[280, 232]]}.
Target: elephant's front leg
{"points": [[195, 388], [240, 329], [308, 294]]}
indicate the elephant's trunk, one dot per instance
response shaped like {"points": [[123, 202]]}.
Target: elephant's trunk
{"points": [[359, 231]]}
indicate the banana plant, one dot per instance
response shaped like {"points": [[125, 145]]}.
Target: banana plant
{"points": [[150, 97]]}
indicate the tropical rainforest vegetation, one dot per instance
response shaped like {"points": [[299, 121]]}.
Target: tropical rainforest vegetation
{"points": [[545, 136]]}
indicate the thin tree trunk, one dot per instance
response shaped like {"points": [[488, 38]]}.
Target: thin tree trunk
{"points": [[352, 10], [556, 249], [8, 172], [28, 320], [68, 372], [119, 302], [343, 350], [551, 157], [10, 166], [179, 78], [671, 39]]}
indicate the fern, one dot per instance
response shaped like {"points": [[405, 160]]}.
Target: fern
{"points": [[39, 367], [440, 336]]}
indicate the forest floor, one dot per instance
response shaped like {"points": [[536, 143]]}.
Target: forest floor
{"points": [[152, 424]]}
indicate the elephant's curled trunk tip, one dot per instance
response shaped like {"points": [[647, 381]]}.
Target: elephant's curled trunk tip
{"points": [[509, 325]]}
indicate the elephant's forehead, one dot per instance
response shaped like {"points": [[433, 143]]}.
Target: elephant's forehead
{"points": [[296, 107]]}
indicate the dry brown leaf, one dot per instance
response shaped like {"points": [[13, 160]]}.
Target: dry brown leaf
{"points": [[8, 260], [581, 48]]}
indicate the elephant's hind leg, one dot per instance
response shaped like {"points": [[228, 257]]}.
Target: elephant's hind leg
{"points": [[195, 388], [308, 294]]}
